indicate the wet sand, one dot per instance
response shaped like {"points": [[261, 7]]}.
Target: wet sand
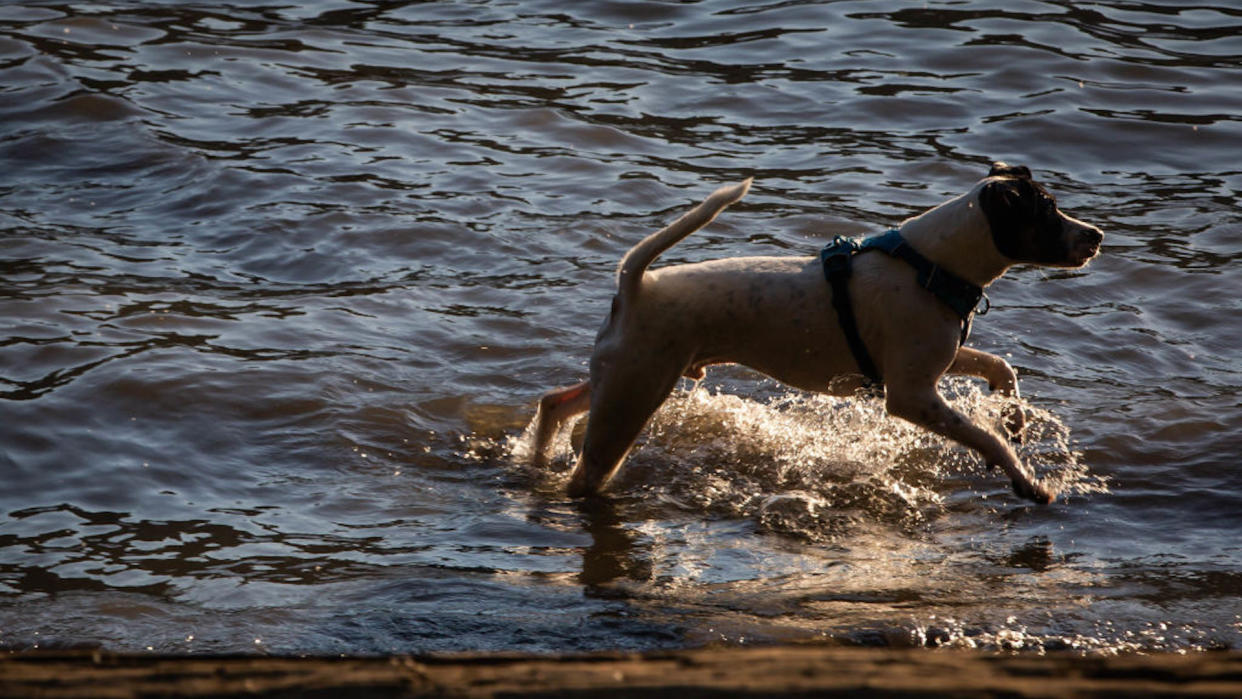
{"points": [[771, 671]]}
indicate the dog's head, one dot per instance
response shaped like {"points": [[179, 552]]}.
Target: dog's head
{"points": [[1028, 227]]}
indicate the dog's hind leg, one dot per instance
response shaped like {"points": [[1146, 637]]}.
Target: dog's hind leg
{"points": [[621, 404], [554, 409]]}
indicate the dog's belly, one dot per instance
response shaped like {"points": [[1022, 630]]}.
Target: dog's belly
{"points": [[822, 368]]}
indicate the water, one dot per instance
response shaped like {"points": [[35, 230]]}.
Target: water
{"points": [[280, 284]]}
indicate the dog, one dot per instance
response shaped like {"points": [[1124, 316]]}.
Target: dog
{"points": [[776, 315]]}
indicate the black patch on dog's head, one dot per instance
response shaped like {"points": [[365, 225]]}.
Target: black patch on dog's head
{"points": [[1026, 225]]}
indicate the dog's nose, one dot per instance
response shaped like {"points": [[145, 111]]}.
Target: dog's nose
{"points": [[1087, 234]]}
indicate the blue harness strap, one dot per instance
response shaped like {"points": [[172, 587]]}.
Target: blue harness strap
{"points": [[837, 259]]}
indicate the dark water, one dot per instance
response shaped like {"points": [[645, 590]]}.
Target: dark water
{"points": [[280, 283]]}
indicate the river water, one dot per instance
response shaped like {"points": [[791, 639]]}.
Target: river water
{"points": [[280, 284]]}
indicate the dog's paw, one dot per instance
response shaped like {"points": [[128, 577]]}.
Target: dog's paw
{"points": [[1013, 418], [577, 488], [1034, 491]]}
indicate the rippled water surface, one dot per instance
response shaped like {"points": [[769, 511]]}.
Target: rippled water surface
{"points": [[280, 284]]}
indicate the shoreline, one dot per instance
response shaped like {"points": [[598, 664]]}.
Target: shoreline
{"points": [[726, 671]]}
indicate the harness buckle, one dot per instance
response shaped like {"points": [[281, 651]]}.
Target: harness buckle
{"points": [[987, 305], [837, 263], [836, 257]]}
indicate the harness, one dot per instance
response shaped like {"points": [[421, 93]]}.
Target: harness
{"points": [[838, 258]]}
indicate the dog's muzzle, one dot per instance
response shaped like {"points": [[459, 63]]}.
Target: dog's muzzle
{"points": [[1087, 243]]}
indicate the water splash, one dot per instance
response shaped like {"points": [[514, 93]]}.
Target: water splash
{"points": [[817, 467], [1014, 635]]}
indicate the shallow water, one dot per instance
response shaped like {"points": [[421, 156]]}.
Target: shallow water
{"points": [[279, 285]]}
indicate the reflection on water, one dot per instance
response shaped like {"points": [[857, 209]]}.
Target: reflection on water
{"points": [[279, 285]]}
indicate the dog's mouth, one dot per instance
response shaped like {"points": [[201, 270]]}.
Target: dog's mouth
{"points": [[1086, 247], [1084, 255]]}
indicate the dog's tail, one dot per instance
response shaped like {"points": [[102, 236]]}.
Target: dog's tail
{"points": [[635, 262]]}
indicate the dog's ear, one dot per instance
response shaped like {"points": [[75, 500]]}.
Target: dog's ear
{"points": [[1003, 203], [1026, 226], [1001, 169]]}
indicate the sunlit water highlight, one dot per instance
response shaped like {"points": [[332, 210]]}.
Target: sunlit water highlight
{"points": [[817, 467]]}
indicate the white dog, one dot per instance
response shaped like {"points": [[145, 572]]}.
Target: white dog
{"points": [[893, 311]]}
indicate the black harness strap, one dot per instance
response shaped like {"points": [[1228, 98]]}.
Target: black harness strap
{"points": [[837, 259]]}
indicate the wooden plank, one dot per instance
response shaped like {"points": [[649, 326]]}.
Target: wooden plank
{"points": [[737, 672]]}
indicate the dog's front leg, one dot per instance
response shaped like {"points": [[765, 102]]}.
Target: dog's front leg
{"points": [[926, 407], [1000, 377]]}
